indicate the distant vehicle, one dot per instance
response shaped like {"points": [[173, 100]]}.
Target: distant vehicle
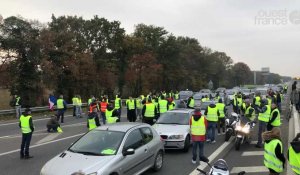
{"points": [[247, 92], [231, 93], [184, 95], [262, 90], [198, 96], [205, 91], [121, 148], [173, 127], [221, 89], [178, 105]]}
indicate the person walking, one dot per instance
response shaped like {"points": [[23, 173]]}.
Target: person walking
{"points": [[274, 118], [52, 124], [198, 126], [149, 112], [131, 109], [212, 114], [293, 154], [274, 159], [263, 118], [27, 128], [221, 121], [17, 103], [93, 119], [61, 108]]}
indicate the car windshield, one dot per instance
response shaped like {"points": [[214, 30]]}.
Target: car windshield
{"points": [[98, 143], [174, 118]]}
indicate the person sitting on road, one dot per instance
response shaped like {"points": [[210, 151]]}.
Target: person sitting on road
{"points": [[52, 124]]}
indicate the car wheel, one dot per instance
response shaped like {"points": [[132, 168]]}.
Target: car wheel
{"points": [[187, 144], [159, 161]]}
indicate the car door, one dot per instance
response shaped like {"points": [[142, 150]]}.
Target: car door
{"points": [[136, 162], [151, 145]]}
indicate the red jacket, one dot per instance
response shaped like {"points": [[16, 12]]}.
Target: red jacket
{"points": [[197, 137]]}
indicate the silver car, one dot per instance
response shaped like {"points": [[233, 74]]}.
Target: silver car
{"points": [[117, 149], [173, 127]]}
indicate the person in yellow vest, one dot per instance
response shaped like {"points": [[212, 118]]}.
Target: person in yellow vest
{"points": [[93, 119], [212, 115], [111, 115], [17, 105], [239, 102], [79, 109], [131, 107], [163, 105], [293, 154], [274, 118], [171, 104], [176, 95], [149, 112], [61, 106], [198, 126], [27, 128], [274, 158], [221, 121], [191, 102], [74, 102], [250, 111], [256, 102], [118, 105], [263, 118]]}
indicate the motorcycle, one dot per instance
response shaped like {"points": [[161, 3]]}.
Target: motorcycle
{"points": [[243, 133], [230, 125], [220, 167]]}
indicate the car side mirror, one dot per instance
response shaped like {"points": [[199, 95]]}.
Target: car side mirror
{"points": [[129, 151]]}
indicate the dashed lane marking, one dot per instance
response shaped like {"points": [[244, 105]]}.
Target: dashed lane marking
{"points": [[253, 153], [250, 169]]}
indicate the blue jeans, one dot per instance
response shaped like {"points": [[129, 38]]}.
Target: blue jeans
{"points": [[26, 139], [211, 130], [18, 111], [201, 149], [261, 128], [103, 118]]}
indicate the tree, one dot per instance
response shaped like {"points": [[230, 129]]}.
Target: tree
{"points": [[241, 74]]}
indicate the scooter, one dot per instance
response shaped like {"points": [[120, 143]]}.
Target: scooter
{"points": [[220, 167], [230, 123], [243, 133]]}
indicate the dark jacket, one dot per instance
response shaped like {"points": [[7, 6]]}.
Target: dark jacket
{"points": [[30, 123], [93, 115], [52, 121]]}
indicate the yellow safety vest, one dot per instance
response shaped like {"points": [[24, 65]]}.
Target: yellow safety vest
{"points": [[74, 101], [176, 96], [117, 103], [270, 159], [92, 124], [25, 126], [79, 102], [171, 106], [60, 104], [109, 118], [294, 159], [265, 117], [240, 101], [108, 151], [257, 100], [212, 114], [198, 127], [130, 104], [277, 121], [150, 110], [247, 112], [163, 106], [139, 103], [192, 103], [220, 107], [17, 101]]}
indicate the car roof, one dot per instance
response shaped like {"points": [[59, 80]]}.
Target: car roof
{"points": [[121, 126], [181, 110]]}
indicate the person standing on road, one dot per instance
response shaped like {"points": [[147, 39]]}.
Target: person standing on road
{"points": [[118, 105], [257, 101], [293, 154], [149, 112], [131, 107], [274, 118], [212, 114], [263, 118], [139, 107], [61, 108], [274, 159], [191, 102], [198, 126], [27, 128], [16, 102], [163, 105], [221, 121], [103, 108], [74, 102], [93, 120]]}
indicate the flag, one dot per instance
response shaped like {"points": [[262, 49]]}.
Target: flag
{"points": [[52, 102]]}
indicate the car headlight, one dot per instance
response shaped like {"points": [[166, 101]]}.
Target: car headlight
{"points": [[176, 137], [246, 130], [238, 128], [94, 173]]}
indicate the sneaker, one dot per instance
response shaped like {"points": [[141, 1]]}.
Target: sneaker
{"points": [[193, 161], [213, 142], [219, 134], [28, 157], [208, 140]]}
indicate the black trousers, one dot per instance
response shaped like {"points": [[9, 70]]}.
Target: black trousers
{"points": [[52, 127], [148, 120], [131, 115], [26, 139], [74, 111], [60, 113]]}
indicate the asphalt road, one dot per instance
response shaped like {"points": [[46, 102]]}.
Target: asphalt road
{"points": [[45, 146]]}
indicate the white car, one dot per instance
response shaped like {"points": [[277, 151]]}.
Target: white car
{"points": [[173, 127], [116, 149]]}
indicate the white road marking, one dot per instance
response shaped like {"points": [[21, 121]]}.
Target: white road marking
{"points": [[16, 136], [48, 138], [253, 153], [34, 146], [203, 165], [296, 121], [250, 169], [13, 123]]}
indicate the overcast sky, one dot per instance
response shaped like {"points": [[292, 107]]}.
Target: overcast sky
{"points": [[259, 33]]}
